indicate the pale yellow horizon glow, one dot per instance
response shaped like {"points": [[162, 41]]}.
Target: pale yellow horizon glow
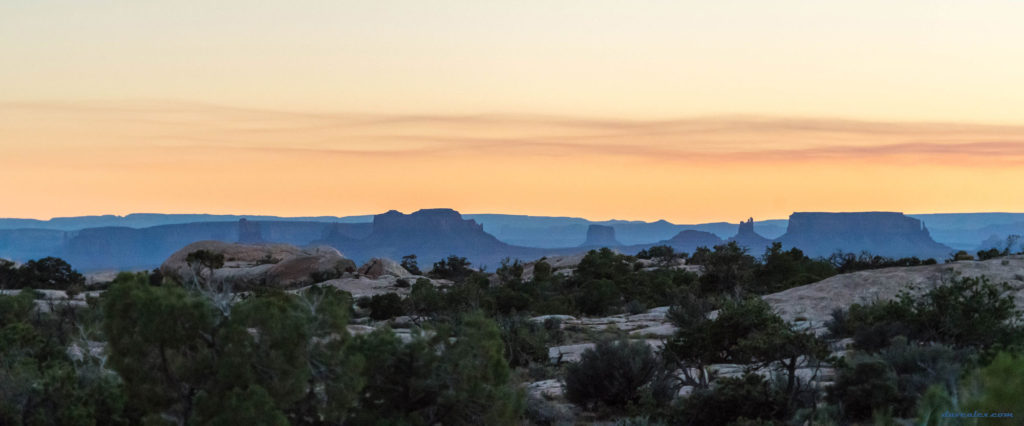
{"points": [[689, 111]]}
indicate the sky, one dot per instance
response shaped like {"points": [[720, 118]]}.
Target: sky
{"points": [[689, 111]]}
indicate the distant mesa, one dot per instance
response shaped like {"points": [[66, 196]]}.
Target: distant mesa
{"points": [[747, 238], [431, 234], [689, 240], [880, 233], [249, 232], [600, 236]]}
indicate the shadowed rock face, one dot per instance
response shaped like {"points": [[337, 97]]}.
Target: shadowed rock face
{"points": [[688, 240], [600, 236], [747, 238], [881, 233], [249, 232]]}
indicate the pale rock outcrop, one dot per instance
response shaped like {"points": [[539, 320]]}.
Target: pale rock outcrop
{"points": [[251, 265], [378, 266], [812, 305]]}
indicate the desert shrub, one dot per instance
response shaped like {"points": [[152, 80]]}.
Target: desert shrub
{"points": [[661, 254], [918, 367], [597, 297], [727, 269], [745, 332], [634, 307], [863, 387], [402, 283], [525, 341], [849, 262], [991, 253], [409, 264], [965, 312], [997, 387], [612, 374], [49, 273], [453, 377], [385, 306], [750, 398], [453, 268], [424, 299], [960, 255], [783, 269]]}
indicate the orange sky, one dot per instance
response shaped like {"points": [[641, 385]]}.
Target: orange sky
{"points": [[687, 111]]}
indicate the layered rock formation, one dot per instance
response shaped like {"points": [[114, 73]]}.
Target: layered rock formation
{"points": [[747, 238], [250, 265], [881, 233], [600, 236]]}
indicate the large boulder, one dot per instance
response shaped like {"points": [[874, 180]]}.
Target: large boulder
{"points": [[378, 267], [250, 265]]}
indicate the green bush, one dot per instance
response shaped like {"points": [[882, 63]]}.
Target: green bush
{"points": [[612, 373], [453, 268], [525, 341], [967, 312], [48, 273], [997, 387], [386, 306], [747, 400], [864, 387]]}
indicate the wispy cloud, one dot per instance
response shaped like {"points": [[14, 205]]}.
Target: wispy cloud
{"points": [[722, 138]]}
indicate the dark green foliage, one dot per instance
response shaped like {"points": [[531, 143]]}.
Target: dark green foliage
{"points": [[385, 306], [728, 269], [613, 374], [180, 357], [863, 388], [434, 379], [541, 271], [960, 255], [966, 312], [40, 384], [525, 341], [424, 299], [918, 367], [453, 268], [409, 264], [991, 253], [997, 387], [597, 296], [845, 263], [46, 273], [159, 342], [781, 270], [606, 281], [749, 397], [205, 258], [510, 272], [745, 332], [662, 254], [248, 407], [8, 274]]}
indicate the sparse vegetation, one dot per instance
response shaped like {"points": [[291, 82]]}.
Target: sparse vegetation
{"points": [[184, 353]]}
